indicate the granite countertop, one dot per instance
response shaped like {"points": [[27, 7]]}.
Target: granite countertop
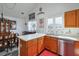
{"points": [[66, 37], [31, 36], [37, 35]]}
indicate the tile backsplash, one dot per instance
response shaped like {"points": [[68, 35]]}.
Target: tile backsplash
{"points": [[63, 31]]}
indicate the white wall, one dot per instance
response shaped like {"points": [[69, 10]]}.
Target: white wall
{"points": [[55, 9]]}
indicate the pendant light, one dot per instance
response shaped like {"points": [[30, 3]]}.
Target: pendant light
{"points": [[40, 11]]}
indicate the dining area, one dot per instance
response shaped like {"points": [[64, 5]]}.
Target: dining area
{"points": [[8, 39]]}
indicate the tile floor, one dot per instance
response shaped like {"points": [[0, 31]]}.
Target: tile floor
{"points": [[14, 52]]}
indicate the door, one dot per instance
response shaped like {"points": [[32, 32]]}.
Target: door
{"points": [[70, 19]]}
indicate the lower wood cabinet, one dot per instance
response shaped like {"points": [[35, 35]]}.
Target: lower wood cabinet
{"points": [[32, 51], [35, 46], [28, 48], [40, 44], [23, 48], [51, 44]]}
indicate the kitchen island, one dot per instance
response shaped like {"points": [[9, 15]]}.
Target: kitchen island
{"points": [[33, 44]]}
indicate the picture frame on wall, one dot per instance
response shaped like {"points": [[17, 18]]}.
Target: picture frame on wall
{"points": [[41, 23], [32, 16], [12, 25]]}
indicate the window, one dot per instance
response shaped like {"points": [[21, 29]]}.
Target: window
{"points": [[50, 21], [58, 20], [32, 26]]}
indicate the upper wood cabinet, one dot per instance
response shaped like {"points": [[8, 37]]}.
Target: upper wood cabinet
{"points": [[71, 19], [77, 18]]}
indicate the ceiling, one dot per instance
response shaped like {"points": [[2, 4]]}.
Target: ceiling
{"points": [[19, 10]]}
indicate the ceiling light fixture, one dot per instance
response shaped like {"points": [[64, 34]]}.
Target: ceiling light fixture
{"points": [[40, 11]]}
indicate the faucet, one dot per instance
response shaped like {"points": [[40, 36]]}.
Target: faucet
{"points": [[69, 31]]}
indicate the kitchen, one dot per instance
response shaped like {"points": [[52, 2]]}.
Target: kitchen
{"points": [[53, 27]]}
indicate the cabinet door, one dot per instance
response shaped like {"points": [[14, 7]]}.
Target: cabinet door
{"points": [[51, 44], [69, 48], [77, 48], [40, 44], [77, 18], [32, 47], [23, 49], [70, 19], [32, 51], [31, 43]]}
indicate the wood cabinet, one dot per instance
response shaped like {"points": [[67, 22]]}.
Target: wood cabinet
{"points": [[76, 48], [28, 48], [71, 19], [35, 46], [40, 44], [23, 48], [32, 47], [51, 44], [77, 24], [31, 43], [32, 51]]}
